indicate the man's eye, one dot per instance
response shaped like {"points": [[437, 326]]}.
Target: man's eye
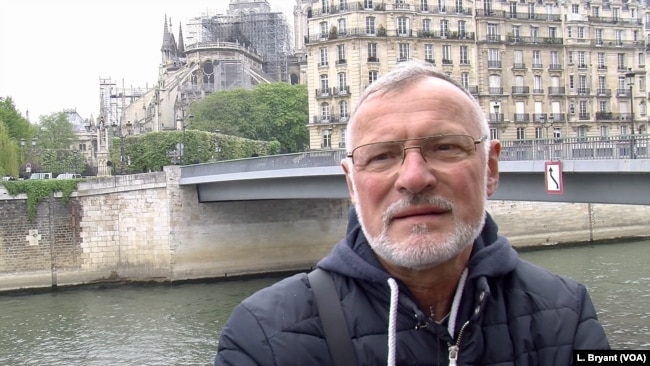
{"points": [[382, 157]]}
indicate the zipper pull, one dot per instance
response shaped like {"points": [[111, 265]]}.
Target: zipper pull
{"points": [[453, 355]]}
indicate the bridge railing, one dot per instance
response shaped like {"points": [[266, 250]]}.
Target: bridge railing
{"points": [[577, 148], [588, 148], [310, 159]]}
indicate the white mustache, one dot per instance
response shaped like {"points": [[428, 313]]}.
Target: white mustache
{"points": [[414, 200]]}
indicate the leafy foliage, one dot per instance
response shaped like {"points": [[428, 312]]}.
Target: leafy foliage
{"points": [[38, 190], [17, 126], [55, 132], [52, 150], [13, 128], [154, 150], [8, 154], [268, 112]]}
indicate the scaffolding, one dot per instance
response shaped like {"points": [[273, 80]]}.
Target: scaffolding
{"points": [[113, 100], [267, 32]]}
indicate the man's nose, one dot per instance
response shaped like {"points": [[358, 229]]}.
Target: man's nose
{"points": [[415, 174]]}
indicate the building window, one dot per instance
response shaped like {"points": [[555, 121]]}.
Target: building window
{"points": [[323, 57], [372, 52], [600, 59], [581, 59], [342, 26], [446, 55], [531, 10], [326, 138], [424, 5], [604, 131], [621, 62], [325, 112], [402, 26], [342, 138], [367, 4], [403, 52], [324, 84], [492, 32], [372, 76], [323, 30], [537, 84], [444, 28], [494, 133], [442, 6], [464, 79], [370, 25], [426, 25], [325, 5], [464, 55], [428, 53], [342, 82], [521, 133], [343, 109], [341, 53]]}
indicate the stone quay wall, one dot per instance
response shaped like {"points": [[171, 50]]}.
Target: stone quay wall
{"points": [[145, 227]]}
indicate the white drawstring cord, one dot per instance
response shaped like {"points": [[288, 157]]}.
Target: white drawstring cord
{"points": [[453, 314], [392, 321]]}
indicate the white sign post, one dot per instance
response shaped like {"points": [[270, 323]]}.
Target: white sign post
{"points": [[553, 177]]}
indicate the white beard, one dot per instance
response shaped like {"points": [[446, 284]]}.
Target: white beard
{"points": [[423, 249]]}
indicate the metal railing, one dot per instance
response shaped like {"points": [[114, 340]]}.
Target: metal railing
{"points": [[577, 148]]}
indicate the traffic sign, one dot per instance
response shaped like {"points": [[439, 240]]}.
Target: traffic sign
{"points": [[553, 177]]}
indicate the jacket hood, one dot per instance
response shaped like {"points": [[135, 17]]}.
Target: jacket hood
{"points": [[492, 255]]}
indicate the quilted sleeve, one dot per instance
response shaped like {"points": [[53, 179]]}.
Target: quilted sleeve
{"points": [[590, 334], [243, 341]]}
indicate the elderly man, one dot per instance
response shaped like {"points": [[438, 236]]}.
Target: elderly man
{"points": [[422, 277]]}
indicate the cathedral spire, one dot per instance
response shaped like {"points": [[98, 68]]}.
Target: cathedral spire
{"points": [[181, 45], [168, 48]]}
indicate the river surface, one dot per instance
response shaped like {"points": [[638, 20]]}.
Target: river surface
{"points": [[180, 324]]}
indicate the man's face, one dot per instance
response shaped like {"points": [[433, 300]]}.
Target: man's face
{"points": [[421, 213]]}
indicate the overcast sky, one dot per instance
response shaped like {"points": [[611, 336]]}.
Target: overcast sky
{"points": [[53, 52]]}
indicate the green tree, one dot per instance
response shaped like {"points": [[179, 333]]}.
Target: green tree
{"points": [[269, 112], [154, 150], [53, 151], [17, 127], [55, 132], [286, 114], [9, 160]]}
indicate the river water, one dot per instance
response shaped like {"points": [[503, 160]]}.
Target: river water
{"points": [[180, 324]]}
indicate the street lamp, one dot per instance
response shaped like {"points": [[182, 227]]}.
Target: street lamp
{"points": [[630, 81]]}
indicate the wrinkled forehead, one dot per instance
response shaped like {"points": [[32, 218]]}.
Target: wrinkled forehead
{"points": [[438, 94]]}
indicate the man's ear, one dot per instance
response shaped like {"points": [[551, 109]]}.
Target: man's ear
{"points": [[347, 167], [493, 167]]}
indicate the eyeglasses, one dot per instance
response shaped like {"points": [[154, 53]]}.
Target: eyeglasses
{"points": [[386, 155]]}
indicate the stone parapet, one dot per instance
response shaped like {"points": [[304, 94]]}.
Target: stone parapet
{"points": [[146, 227]]}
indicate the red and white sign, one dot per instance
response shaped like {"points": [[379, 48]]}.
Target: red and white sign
{"points": [[553, 177]]}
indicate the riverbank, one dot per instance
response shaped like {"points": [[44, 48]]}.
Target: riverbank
{"points": [[118, 282], [146, 227]]}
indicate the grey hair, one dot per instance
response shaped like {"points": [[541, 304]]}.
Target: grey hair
{"points": [[406, 73]]}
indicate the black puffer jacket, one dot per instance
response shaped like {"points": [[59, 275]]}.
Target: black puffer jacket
{"points": [[511, 313]]}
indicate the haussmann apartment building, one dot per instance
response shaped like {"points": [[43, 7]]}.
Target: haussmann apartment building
{"points": [[540, 69]]}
